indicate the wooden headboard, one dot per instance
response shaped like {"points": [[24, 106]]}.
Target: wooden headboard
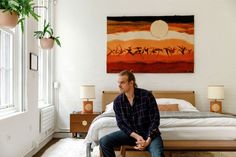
{"points": [[109, 96]]}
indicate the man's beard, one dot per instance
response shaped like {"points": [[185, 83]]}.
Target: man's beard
{"points": [[121, 90]]}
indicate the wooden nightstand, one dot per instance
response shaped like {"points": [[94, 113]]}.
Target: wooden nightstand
{"points": [[80, 122]]}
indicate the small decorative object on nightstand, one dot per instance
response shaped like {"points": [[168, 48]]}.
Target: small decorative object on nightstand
{"points": [[216, 92], [80, 122], [87, 92]]}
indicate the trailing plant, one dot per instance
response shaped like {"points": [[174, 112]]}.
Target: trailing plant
{"points": [[24, 8], [47, 32]]}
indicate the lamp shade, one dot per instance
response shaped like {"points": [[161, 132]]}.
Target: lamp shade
{"points": [[216, 92], [87, 92]]}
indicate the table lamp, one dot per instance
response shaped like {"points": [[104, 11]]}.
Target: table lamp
{"points": [[215, 93], [87, 92]]}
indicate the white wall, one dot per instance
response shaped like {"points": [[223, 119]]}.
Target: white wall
{"points": [[19, 134], [82, 58]]}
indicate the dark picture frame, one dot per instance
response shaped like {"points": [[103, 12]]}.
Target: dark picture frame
{"points": [[33, 62]]}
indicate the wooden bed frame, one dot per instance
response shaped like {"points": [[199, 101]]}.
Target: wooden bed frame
{"points": [[177, 145], [109, 96]]}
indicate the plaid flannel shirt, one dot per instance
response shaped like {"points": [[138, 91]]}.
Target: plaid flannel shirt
{"points": [[142, 117]]}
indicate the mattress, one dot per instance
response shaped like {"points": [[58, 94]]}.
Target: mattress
{"points": [[188, 133], [173, 129]]}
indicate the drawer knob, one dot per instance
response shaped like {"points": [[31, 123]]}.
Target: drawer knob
{"points": [[84, 122]]}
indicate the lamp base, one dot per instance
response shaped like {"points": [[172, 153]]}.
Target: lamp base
{"points": [[87, 107], [216, 106]]}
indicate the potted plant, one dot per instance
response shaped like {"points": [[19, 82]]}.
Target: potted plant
{"points": [[13, 12], [46, 36]]}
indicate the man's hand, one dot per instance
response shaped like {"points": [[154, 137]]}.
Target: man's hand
{"points": [[141, 145], [137, 136], [139, 140], [148, 141]]}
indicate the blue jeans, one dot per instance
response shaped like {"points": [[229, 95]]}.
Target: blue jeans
{"points": [[118, 138]]}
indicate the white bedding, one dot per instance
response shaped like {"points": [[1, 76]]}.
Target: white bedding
{"points": [[188, 133], [172, 128], [199, 133], [198, 122]]}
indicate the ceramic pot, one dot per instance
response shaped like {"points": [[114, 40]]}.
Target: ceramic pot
{"points": [[8, 19], [46, 43]]}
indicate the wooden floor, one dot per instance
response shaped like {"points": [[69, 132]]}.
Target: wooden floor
{"points": [[192, 152], [40, 153]]}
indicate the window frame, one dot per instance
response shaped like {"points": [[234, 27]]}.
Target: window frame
{"points": [[45, 64], [17, 72]]}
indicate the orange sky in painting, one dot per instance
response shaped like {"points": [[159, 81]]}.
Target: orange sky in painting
{"points": [[115, 27]]}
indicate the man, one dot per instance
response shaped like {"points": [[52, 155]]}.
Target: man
{"points": [[138, 118]]}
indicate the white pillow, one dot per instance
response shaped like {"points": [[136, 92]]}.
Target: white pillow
{"points": [[109, 108], [182, 104]]}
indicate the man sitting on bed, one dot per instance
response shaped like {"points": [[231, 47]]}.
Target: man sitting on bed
{"points": [[138, 118]]}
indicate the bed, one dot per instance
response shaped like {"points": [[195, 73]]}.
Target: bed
{"points": [[179, 130]]}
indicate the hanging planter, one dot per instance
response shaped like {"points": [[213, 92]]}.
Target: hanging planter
{"points": [[46, 43], [13, 12], [8, 19], [46, 37]]}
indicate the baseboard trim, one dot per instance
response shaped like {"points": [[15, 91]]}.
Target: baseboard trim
{"points": [[41, 145], [62, 135]]}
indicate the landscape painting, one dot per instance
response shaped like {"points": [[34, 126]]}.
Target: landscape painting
{"points": [[150, 44]]}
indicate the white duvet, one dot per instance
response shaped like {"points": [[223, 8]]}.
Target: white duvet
{"points": [[107, 125]]}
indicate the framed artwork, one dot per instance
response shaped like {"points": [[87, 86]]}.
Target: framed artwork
{"points": [[150, 44], [33, 62]]}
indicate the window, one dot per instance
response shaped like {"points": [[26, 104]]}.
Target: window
{"points": [[11, 71], [45, 58]]}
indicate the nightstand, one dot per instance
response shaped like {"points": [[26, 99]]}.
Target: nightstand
{"points": [[80, 122]]}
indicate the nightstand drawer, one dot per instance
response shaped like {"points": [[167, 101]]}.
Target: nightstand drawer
{"points": [[80, 122], [80, 117], [80, 126]]}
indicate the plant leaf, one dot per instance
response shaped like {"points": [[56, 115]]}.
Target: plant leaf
{"points": [[58, 42]]}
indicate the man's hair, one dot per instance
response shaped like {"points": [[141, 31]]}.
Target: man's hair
{"points": [[130, 75]]}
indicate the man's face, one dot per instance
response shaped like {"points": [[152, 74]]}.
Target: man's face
{"points": [[124, 84]]}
